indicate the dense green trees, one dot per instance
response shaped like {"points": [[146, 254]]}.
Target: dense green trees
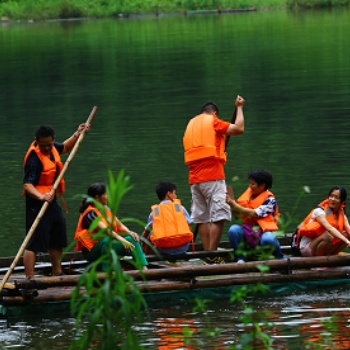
{"points": [[53, 9]]}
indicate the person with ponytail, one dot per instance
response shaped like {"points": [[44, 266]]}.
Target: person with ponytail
{"points": [[90, 242], [326, 230]]}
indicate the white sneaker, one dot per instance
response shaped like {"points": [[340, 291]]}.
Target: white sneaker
{"points": [[240, 261]]}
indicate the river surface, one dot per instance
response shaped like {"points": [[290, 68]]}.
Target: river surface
{"points": [[302, 319], [148, 77]]}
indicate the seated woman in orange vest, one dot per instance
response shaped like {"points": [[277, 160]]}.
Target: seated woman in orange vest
{"points": [[168, 226], [125, 240], [326, 230], [258, 208]]}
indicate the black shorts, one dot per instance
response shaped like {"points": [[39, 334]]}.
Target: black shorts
{"points": [[51, 232]]}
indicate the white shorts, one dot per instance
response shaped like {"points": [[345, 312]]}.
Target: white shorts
{"points": [[306, 251], [209, 202]]}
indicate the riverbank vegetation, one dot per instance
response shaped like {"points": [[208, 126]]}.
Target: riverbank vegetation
{"points": [[64, 9]]}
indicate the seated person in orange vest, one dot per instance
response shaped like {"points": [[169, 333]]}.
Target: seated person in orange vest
{"points": [[125, 240], [259, 211], [326, 230], [168, 226]]}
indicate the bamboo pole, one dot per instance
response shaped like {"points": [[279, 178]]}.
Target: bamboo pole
{"points": [[54, 295], [235, 280], [229, 268], [46, 204], [236, 271]]}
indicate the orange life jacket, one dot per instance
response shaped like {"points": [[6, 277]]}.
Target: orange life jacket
{"points": [[51, 169], [170, 227], [83, 237], [201, 141], [268, 223], [312, 228]]}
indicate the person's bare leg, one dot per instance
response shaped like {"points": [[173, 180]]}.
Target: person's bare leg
{"points": [[320, 244], [321, 249], [29, 259], [204, 234], [339, 247], [55, 256], [336, 249], [216, 229]]}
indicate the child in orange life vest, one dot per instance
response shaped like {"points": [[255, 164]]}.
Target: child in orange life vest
{"points": [[170, 222], [258, 207], [322, 231], [125, 240]]}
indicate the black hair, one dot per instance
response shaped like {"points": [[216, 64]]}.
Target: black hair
{"points": [[44, 131], [210, 107], [261, 176], [343, 193], [163, 188], [95, 189]]}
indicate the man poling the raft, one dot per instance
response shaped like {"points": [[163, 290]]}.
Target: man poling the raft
{"points": [[37, 188]]}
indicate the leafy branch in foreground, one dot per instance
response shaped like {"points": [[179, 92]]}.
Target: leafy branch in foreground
{"points": [[108, 305], [208, 332]]}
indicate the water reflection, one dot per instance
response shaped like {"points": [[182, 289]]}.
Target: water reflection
{"points": [[319, 317], [299, 318], [148, 85]]}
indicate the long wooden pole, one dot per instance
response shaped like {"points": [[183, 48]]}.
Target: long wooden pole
{"points": [[233, 120], [46, 204]]}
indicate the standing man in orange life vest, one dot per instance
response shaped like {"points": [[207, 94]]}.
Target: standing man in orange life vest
{"points": [[204, 146], [42, 165]]}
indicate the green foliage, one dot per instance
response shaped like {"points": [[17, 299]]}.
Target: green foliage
{"points": [[255, 320], [106, 306], [256, 338], [117, 189], [257, 253], [326, 335], [287, 220], [208, 333], [304, 4], [62, 9]]}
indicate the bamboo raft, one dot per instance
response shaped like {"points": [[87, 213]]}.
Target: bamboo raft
{"points": [[187, 274]]}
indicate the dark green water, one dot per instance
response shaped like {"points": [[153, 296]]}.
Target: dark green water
{"points": [[148, 76]]}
